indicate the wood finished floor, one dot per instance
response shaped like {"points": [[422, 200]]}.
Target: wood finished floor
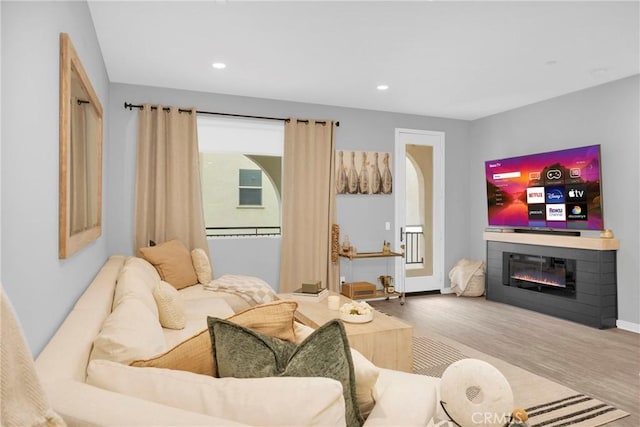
{"points": [[604, 364]]}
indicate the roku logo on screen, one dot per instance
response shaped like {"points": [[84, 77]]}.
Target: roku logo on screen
{"points": [[535, 195], [556, 212]]}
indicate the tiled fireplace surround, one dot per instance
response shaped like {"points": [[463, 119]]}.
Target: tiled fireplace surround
{"points": [[594, 301]]}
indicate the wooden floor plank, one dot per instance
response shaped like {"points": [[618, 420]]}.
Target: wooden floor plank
{"points": [[602, 363]]}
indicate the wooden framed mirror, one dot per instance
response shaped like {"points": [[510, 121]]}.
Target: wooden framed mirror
{"points": [[80, 212]]}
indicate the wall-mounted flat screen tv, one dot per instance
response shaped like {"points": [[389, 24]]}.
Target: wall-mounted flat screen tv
{"points": [[553, 190]]}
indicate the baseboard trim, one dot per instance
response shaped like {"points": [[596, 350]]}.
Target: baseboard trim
{"points": [[422, 293], [445, 291], [628, 326]]}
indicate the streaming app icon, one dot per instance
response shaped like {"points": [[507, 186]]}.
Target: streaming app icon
{"points": [[535, 195], [556, 212], [575, 172], [575, 192], [554, 194], [554, 174], [537, 212], [577, 212]]}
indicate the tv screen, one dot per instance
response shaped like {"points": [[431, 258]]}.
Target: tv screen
{"points": [[554, 190]]}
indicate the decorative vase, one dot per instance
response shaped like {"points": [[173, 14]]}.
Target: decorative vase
{"points": [[341, 178], [387, 179], [376, 176], [352, 176], [363, 178]]}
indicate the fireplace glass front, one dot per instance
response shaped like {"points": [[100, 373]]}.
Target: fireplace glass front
{"points": [[540, 273]]}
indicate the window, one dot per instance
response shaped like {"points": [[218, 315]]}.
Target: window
{"points": [[241, 175], [250, 187]]}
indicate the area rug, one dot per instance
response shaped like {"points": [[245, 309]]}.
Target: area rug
{"points": [[548, 403]]}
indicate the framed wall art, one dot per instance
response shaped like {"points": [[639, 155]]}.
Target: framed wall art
{"points": [[363, 172]]}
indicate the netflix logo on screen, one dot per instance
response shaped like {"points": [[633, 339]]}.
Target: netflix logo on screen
{"points": [[556, 212], [576, 193], [535, 195]]}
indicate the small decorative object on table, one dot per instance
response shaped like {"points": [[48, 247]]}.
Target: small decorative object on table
{"points": [[386, 247], [356, 312], [519, 418], [387, 284]]}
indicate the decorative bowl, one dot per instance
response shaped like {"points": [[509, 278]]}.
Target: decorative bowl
{"points": [[357, 318], [356, 312]]}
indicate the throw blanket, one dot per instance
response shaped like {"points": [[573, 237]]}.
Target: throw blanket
{"points": [[462, 272], [22, 400], [251, 289]]}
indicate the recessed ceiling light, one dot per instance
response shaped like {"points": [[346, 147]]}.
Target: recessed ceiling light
{"points": [[598, 72], [382, 87], [219, 65]]}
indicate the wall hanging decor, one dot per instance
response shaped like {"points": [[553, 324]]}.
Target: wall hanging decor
{"points": [[363, 172]]}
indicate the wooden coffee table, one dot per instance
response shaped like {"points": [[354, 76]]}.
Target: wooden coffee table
{"points": [[386, 341]]}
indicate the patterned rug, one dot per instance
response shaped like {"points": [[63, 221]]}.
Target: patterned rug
{"points": [[566, 407]]}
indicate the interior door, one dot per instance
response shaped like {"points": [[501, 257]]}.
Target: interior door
{"points": [[419, 208]]}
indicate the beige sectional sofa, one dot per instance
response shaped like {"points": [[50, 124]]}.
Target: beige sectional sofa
{"points": [[86, 374]]}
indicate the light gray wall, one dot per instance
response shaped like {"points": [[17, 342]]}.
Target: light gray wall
{"points": [[41, 287], [609, 115], [362, 218]]}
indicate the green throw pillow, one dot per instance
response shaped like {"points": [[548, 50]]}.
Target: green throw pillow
{"points": [[243, 353]]}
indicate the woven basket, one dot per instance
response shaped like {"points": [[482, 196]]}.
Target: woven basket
{"points": [[475, 287]]}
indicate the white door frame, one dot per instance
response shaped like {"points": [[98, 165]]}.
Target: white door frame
{"points": [[437, 280]]}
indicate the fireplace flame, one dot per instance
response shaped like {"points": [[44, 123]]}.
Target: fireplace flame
{"points": [[538, 278]]}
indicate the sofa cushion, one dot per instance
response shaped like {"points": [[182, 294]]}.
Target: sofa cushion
{"points": [[243, 353], [366, 373], [129, 333], [172, 259], [195, 353], [366, 377], [133, 282], [202, 265], [259, 401], [170, 306]]}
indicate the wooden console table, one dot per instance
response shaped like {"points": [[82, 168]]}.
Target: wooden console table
{"points": [[386, 341]]}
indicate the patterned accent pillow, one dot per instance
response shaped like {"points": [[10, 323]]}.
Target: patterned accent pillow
{"points": [[172, 259], [243, 353], [170, 306]]}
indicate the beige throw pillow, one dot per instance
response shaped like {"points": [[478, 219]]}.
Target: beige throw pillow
{"points": [[173, 261], [195, 354], [170, 306], [202, 266], [129, 333], [274, 319]]}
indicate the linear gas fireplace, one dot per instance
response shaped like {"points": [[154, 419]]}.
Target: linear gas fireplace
{"points": [[569, 277], [540, 273]]}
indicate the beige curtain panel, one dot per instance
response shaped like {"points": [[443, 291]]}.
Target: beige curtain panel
{"points": [[168, 194], [308, 205]]}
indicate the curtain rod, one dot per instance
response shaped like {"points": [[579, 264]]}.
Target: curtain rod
{"points": [[131, 106]]}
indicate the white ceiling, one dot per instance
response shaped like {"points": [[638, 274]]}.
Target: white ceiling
{"points": [[460, 60]]}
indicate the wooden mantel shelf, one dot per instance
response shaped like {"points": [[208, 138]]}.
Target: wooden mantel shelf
{"points": [[593, 243]]}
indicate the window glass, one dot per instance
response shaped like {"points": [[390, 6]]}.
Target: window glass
{"points": [[241, 175]]}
